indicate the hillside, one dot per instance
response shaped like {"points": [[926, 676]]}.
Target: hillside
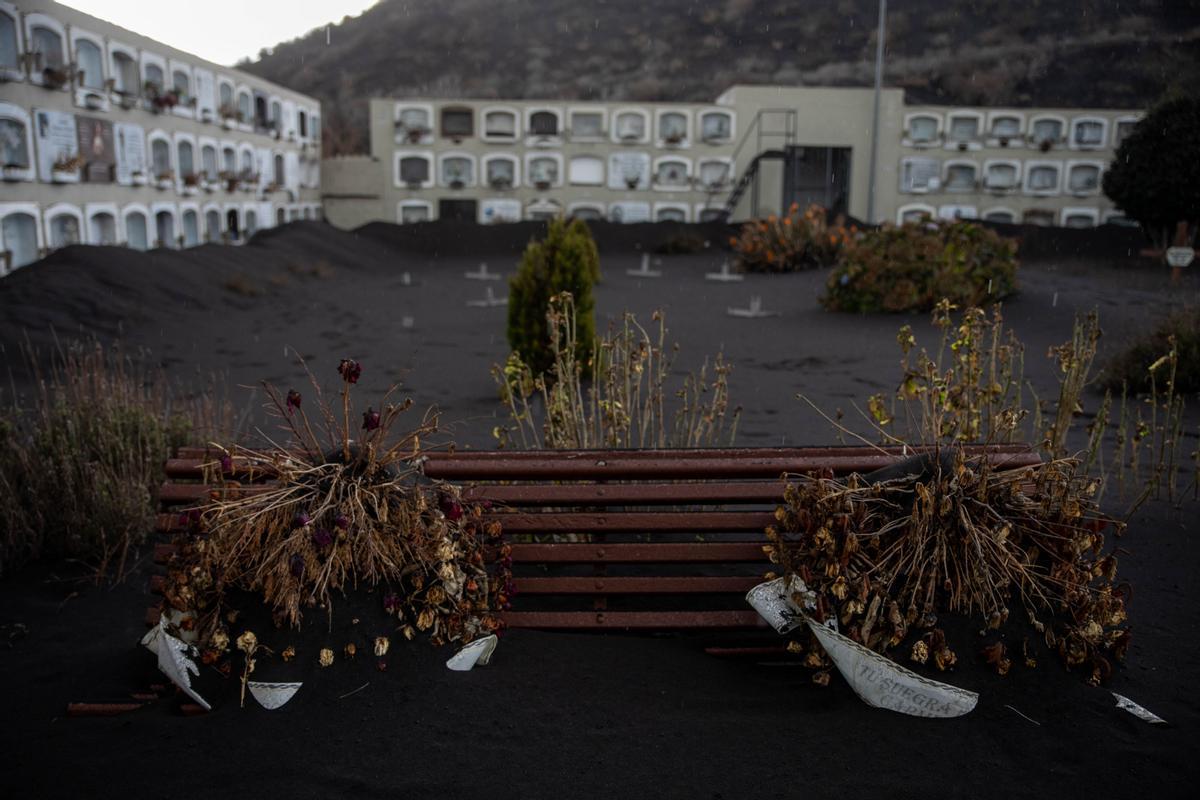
{"points": [[1120, 53]]}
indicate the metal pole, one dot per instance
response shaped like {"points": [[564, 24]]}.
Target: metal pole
{"points": [[875, 116]]}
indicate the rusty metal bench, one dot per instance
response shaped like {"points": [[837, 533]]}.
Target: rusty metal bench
{"points": [[619, 539]]}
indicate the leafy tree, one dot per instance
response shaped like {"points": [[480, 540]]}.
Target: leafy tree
{"points": [[565, 261], [1155, 175]]}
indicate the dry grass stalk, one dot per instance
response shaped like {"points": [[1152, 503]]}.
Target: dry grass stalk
{"points": [[81, 460], [619, 399]]}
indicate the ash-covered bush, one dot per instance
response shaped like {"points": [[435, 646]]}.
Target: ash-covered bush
{"points": [[912, 266], [1144, 362], [81, 463], [565, 261], [791, 242]]}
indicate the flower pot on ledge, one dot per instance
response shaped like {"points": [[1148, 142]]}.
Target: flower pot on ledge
{"points": [[13, 172], [137, 178]]}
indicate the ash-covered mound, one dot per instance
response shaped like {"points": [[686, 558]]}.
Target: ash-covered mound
{"points": [[455, 238], [90, 291]]}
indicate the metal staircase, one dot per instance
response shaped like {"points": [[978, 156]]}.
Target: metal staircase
{"points": [[773, 133]]}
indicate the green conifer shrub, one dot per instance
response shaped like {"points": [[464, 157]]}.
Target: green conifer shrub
{"points": [[565, 261]]}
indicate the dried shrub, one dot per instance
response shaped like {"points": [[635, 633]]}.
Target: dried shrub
{"points": [[626, 400], [792, 242], [887, 559], [895, 560], [565, 261], [912, 266], [80, 466], [339, 513]]}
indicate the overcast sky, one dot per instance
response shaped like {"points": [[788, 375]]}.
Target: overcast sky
{"points": [[223, 31]]}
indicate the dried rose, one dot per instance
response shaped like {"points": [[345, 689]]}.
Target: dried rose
{"points": [[220, 640], [920, 652], [322, 538], [247, 642], [350, 370], [425, 619], [226, 464], [293, 401], [351, 650], [288, 653], [342, 522], [382, 644], [370, 420], [301, 519], [325, 657], [391, 602], [450, 507]]}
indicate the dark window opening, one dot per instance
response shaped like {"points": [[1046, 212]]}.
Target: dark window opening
{"points": [[543, 123], [457, 122]]}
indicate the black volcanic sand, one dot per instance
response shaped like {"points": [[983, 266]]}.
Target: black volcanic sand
{"points": [[566, 715]]}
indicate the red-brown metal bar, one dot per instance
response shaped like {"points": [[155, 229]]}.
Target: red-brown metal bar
{"points": [[103, 709], [635, 522], [666, 467], [627, 494], [658, 584], [631, 620], [690, 552]]}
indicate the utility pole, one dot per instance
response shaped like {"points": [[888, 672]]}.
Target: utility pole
{"points": [[875, 116]]}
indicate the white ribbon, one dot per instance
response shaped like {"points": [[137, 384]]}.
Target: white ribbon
{"points": [[477, 652], [172, 659], [878, 681], [272, 695]]}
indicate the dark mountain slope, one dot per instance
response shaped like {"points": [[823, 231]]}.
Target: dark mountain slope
{"points": [[1116, 53]]}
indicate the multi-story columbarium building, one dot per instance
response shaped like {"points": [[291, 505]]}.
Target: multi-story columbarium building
{"points": [[108, 137], [753, 151]]}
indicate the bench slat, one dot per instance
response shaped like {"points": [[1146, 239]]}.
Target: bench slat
{"points": [[635, 522], [665, 467], [653, 584], [627, 494], [631, 620], [639, 552]]}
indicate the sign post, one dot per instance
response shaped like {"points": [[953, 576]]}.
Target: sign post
{"points": [[1181, 254]]}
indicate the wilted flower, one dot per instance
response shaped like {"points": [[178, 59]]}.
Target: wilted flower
{"points": [[370, 419], [342, 522], [321, 537], [350, 370], [293, 401], [382, 643], [450, 507], [247, 642], [301, 520], [351, 650], [226, 463], [325, 657], [391, 602], [288, 653]]}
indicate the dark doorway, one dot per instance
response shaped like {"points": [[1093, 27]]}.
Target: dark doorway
{"points": [[461, 210], [231, 225], [818, 175]]}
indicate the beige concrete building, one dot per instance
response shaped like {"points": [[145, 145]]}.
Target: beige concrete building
{"points": [[752, 152], [108, 137]]}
